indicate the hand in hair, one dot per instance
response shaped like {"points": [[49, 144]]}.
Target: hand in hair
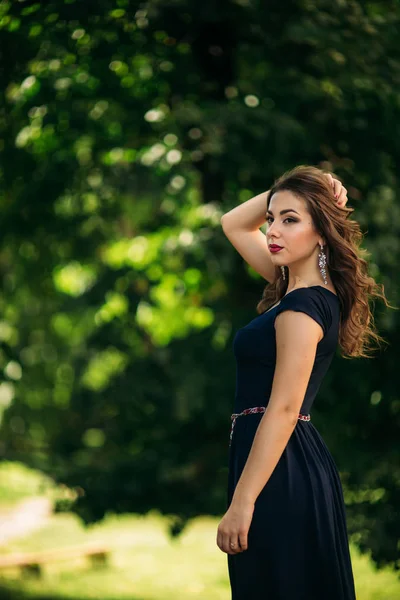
{"points": [[340, 192]]}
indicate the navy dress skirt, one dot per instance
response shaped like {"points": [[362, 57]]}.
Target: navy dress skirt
{"points": [[297, 542]]}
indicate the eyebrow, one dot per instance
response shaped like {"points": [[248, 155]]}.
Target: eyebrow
{"points": [[283, 211]]}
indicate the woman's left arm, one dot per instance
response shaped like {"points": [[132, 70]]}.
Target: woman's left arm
{"points": [[297, 336]]}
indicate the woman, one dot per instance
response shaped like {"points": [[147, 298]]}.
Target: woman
{"points": [[285, 529]]}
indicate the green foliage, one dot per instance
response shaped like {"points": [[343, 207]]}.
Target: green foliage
{"points": [[125, 134]]}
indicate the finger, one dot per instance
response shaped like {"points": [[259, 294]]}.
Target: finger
{"points": [[219, 540], [236, 548], [225, 544], [331, 180], [343, 197], [337, 188], [243, 541]]}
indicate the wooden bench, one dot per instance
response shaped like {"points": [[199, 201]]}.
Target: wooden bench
{"points": [[30, 562]]}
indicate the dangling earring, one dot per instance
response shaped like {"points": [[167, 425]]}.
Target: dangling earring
{"points": [[322, 264], [283, 273]]}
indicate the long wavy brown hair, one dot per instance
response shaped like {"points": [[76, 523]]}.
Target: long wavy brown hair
{"points": [[346, 261]]}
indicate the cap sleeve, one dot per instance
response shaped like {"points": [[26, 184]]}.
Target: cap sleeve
{"points": [[309, 301]]}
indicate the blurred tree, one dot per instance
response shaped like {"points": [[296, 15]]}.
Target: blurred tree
{"points": [[126, 131]]}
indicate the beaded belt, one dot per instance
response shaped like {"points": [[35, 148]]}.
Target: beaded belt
{"points": [[252, 411]]}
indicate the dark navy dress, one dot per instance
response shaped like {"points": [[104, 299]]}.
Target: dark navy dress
{"points": [[297, 542]]}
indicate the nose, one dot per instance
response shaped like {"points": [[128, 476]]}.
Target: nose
{"points": [[272, 233]]}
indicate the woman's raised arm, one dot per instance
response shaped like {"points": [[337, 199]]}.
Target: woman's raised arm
{"points": [[241, 226]]}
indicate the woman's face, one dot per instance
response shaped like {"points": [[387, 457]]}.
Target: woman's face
{"points": [[293, 231]]}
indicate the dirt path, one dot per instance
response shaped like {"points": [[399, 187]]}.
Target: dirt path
{"points": [[28, 515]]}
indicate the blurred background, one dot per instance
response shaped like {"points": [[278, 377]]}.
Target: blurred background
{"points": [[126, 130]]}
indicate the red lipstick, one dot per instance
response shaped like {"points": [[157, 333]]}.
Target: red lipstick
{"points": [[274, 248]]}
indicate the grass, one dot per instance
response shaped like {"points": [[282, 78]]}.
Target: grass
{"points": [[145, 564]]}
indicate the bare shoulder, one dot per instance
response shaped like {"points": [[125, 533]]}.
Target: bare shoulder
{"points": [[297, 328], [303, 316]]}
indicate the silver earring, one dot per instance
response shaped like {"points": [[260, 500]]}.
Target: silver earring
{"points": [[283, 273], [322, 264]]}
